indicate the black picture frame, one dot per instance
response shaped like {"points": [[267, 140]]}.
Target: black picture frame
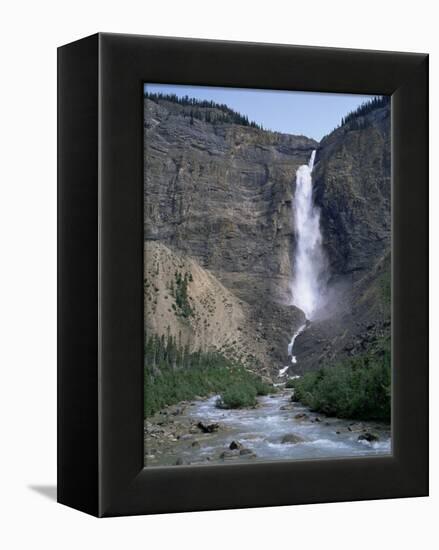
{"points": [[100, 274]]}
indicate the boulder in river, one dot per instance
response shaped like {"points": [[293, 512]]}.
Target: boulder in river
{"points": [[226, 455], [292, 438], [356, 427], [176, 411], [368, 436], [208, 428], [235, 445], [247, 453], [289, 407], [300, 416]]}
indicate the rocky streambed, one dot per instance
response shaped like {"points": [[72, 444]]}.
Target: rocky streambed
{"points": [[197, 432]]}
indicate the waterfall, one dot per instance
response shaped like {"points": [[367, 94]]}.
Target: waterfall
{"points": [[309, 265], [291, 344], [308, 285]]}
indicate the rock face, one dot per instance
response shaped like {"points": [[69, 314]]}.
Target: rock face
{"points": [[218, 206], [353, 190], [221, 194]]}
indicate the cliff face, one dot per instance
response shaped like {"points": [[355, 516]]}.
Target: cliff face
{"points": [[220, 194], [353, 190]]}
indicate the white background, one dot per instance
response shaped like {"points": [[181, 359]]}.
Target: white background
{"points": [[30, 33]]}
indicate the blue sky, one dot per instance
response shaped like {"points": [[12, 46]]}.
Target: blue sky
{"points": [[308, 113]]}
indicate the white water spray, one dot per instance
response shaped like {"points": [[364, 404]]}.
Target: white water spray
{"points": [[308, 286]]}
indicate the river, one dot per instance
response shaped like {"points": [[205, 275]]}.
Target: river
{"points": [[261, 431]]}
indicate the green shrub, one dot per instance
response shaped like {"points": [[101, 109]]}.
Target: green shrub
{"points": [[179, 291], [243, 393], [358, 388], [263, 388], [174, 374], [237, 396]]}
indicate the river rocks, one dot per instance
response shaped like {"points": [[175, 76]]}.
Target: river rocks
{"points": [[172, 443], [227, 455], [244, 452], [369, 437], [237, 450], [208, 428], [288, 407], [247, 453], [357, 427], [175, 410], [292, 439]]}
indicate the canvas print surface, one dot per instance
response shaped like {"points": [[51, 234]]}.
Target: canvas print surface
{"points": [[267, 275]]}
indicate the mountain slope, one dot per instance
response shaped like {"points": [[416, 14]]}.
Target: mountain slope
{"points": [[187, 302]]}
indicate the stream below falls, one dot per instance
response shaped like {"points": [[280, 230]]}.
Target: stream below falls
{"points": [[174, 437]]}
